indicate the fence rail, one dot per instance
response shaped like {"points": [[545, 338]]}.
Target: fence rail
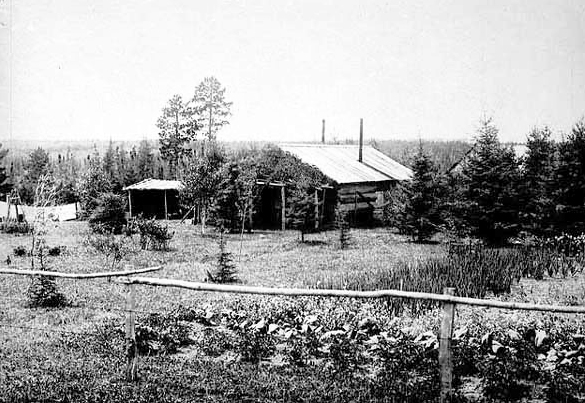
{"points": [[79, 276], [448, 300], [297, 292]]}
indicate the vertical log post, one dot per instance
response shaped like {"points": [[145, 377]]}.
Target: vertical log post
{"points": [[316, 209], [445, 360], [361, 146], [166, 209], [323, 208], [355, 197], [131, 348], [130, 202], [283, 212]]}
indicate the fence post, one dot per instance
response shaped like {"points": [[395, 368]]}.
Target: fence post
{"points": [[131, 348], [445, 360]]}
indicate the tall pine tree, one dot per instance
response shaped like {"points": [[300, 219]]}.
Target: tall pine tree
{"points": [[177, 127], [210, 106]]}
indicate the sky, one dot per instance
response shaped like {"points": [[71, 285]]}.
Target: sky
{"points": [[82, 70]]}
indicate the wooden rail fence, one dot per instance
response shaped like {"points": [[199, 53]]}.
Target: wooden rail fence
{"points": [[448, 299]]}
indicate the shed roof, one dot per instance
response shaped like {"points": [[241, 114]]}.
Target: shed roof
{"points": [[156, 184], [340, 162]]}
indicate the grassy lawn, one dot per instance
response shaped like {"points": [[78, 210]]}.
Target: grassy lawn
{"points": [[79, 356]]}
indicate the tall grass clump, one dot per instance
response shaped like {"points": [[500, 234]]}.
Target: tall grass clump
{"points": [[562, 255], [474, 271]]}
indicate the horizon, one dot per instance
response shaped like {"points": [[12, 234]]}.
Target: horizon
{"points": [[412, 70]]}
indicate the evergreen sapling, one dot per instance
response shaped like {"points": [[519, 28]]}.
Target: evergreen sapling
{"points": [[226, 269]]}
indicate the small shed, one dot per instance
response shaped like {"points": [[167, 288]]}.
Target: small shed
{"points": [[360, 175], [154, 198]]}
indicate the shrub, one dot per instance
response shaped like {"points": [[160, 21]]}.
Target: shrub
{"points": [[55, 251], [15, 227], [114, 248], [20, 251], [161, 334], [109, 215], [408, 370], [152, 234], [253, 345]]}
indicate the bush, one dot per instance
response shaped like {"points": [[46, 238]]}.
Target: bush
{"points": [[113, 248], [159, 334], [409, 369], [109, 214], [20, 251], [152, 234], [55, 251], [15, 227], [253, 345]]}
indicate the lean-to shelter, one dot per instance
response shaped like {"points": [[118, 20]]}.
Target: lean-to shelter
{"points": [[156, 198]]}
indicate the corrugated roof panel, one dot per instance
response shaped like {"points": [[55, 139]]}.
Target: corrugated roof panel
{"points": [[340, 162], [155, 184]]}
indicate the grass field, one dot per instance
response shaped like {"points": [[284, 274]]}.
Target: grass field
{"points": [[78, 355]]}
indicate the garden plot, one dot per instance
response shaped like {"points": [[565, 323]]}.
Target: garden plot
{"points": [[221, 347]]}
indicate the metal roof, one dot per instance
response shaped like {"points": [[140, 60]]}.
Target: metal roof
{"points": [[155, 184], [340, 162]]}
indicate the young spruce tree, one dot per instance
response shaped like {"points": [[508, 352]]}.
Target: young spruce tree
{"points": [[422, 216], [301, 211], [490, 196], [538, 183], [225, 271], [570, 182]]}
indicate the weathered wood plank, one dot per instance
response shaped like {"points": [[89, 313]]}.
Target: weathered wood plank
{"points": [[358, 206], [370, 197], [351, 189]]}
